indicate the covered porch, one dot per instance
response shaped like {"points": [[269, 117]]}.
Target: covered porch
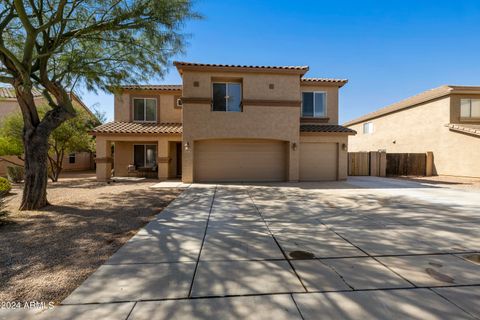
{"points": [[138, 150]]}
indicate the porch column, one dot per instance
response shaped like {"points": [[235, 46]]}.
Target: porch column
{"points": [[163, 159], [103, 159]]}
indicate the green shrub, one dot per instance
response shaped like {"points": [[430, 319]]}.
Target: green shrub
{"points": [[5, 186], [15, 173], [3, 211]]}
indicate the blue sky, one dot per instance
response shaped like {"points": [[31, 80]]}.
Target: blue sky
{"points": [[388, 50]]}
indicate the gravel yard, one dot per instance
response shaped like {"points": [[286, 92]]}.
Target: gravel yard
{"points": [[45, 255]]}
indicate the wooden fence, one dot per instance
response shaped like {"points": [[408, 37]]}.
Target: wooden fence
{"points": [[406, 164], [359, 163], [390, 164]]}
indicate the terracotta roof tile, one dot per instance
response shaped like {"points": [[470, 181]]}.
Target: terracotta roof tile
{"points": [[416, 100], [161, 87], [138, 127], [324, 80], [181, 64], [9, 93], [465, 128], [325, 128]]}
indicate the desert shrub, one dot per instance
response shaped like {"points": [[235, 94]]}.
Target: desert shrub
{"points": [[5, 186], [15, 173]]}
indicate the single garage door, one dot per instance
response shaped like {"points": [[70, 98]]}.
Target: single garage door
{"points": [[240, 160], [318, 161]]}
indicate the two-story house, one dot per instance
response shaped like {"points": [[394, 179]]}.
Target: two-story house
{"points": [[227, 123], [75, 161], [444, 120]]}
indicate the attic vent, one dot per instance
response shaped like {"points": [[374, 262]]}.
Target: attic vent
{"points": [[271, 86]]}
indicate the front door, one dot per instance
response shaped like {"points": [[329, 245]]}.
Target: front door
{"points": [[179, 159]]}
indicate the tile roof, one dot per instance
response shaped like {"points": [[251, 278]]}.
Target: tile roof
{"points": [[181, 64], [324, 80], [416, 100], [138, 127], [161, 87], [465, 128], [9, 93], [335, 128]]}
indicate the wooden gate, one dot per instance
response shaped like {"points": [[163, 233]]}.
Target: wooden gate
{"points": [[406, 164], [359, 163]]}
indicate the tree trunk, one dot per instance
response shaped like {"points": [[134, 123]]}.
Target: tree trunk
{"points": [[35, 187]]}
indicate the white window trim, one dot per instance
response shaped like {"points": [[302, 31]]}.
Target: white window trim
{"points": [[325, 104], [145, 152], [241, 95], [371, 125], [145, 110]]}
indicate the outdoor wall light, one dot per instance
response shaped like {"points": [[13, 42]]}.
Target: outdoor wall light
{"points": [[344, 147], [187, 146], [294, 146]]}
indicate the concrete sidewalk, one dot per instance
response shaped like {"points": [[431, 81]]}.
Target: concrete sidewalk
{"points": [[358, 250]]}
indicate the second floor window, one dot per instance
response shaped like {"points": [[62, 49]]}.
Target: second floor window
{"points": [[145, 110], [314, 104], [470, 108], [368, 128], [227, 96]]}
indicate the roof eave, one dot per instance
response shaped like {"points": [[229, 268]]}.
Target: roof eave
{"points": [[181, 67]]}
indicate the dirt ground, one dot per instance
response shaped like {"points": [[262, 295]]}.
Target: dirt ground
{"points": [[448, 181], [45, 255]]}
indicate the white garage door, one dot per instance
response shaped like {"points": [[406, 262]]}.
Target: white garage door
{"points": [[240, 160], [318, 161]]}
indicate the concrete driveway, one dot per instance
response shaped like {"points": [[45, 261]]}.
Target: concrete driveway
{"points": [[369, 248]]}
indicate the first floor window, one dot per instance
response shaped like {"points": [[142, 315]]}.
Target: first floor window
{"points": [[227, 96], [145, 109], [145, 155], [71, 158], [368, 127], [470, 108], [314, 104]]}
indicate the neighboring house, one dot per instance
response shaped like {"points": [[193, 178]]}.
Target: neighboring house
{"points": [[227, 123], [444, 120], [71, 162]]}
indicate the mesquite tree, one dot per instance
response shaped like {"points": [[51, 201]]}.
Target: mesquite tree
{"points": [[54, 45]]}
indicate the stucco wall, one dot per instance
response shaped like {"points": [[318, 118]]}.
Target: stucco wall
{"points": [[166, 102], [83, 161], [257, 122], [421, 129], [332, 100], [254, 85]]}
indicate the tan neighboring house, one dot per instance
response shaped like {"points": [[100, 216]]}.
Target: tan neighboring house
{"points": [[444, 120], [227, 123], [71, 162]]}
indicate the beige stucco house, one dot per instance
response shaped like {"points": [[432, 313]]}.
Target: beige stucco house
{"points": [[444, 120], [76, 161], [227, 123]]}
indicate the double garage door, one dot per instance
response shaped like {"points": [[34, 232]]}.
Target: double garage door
{"points": [[240, 160], [262, 160]]}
